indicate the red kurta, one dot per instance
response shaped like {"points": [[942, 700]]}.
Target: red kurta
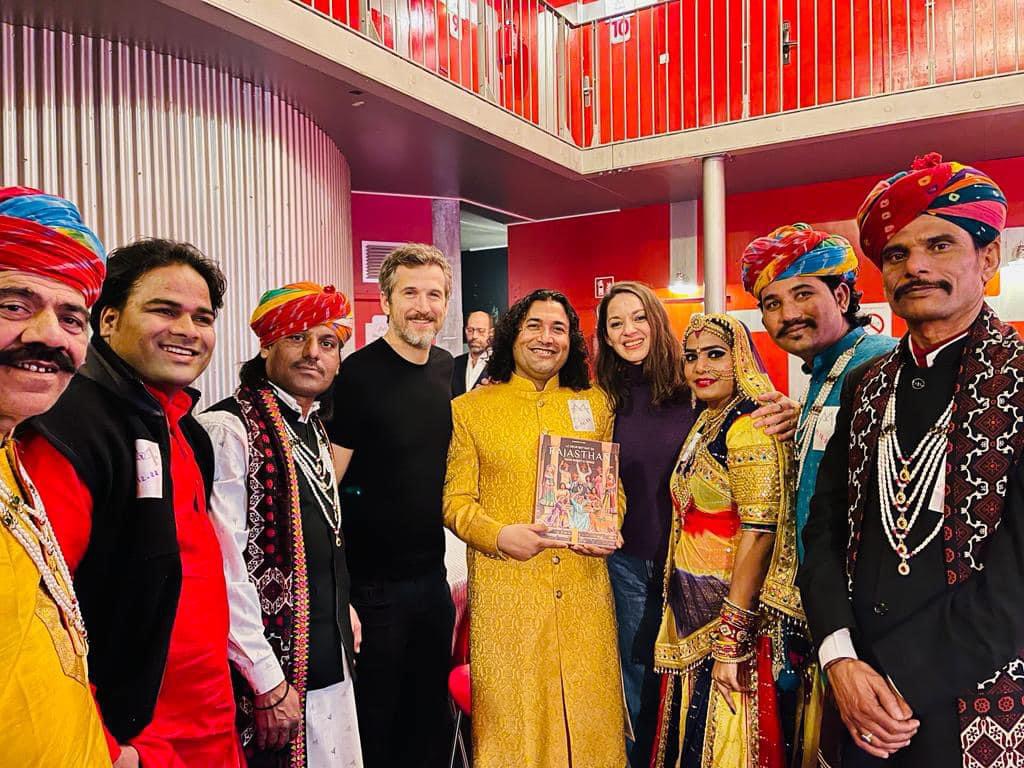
{"points": [[194, 720]]}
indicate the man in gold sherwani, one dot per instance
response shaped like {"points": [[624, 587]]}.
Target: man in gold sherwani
{"points": [[546, 685]]}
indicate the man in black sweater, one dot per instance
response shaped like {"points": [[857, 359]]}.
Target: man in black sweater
{"points": [[392, 424]]}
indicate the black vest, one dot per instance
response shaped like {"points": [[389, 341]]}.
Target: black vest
{"points": [[129, 580], [328, 580]]}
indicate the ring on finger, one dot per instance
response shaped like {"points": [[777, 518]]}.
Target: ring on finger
{"points": [[867, 736]]}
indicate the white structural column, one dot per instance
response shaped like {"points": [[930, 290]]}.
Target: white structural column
{"points": [[714, 233]]}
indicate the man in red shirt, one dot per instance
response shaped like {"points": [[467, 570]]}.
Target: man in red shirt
{"points": [[125, 471]]}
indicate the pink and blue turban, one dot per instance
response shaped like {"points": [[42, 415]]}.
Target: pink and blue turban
{"points": [[957, 193], [44, 235], [297, 307], [796, 250]]}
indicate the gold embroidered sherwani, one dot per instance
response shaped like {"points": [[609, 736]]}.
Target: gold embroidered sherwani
{"points": [[543, 652], [46, 707]]}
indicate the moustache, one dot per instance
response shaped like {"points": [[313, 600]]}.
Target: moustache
{"points": [[40, 353], [788, 325], [909, 286], [308, 364], [430, 318]]}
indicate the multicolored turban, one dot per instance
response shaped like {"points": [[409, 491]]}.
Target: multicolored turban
{"points": [[957, 193], [44, 235], [297, 307], [793, 251]]}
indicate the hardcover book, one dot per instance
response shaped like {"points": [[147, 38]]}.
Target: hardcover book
{"points": [[577, 490]]}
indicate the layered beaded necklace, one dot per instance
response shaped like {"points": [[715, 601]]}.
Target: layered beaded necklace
{"points": [[318, 470], [28, 523], [904, 481], [809, 425]]}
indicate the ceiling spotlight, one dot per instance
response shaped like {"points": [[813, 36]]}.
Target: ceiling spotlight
{"points": [[680, 286], [358, 103]]}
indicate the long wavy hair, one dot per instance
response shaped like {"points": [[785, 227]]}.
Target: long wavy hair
{"points": [[574, 374], [662, 367]]}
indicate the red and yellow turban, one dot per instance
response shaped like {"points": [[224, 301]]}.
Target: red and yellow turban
{"points": [[794, 251], [44, 235], [957, 193], [297, 307]]}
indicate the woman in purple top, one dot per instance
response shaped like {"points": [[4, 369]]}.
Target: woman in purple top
{"points": [[638, 366]]}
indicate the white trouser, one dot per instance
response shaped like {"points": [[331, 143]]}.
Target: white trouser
{"points": [[332, 730]]}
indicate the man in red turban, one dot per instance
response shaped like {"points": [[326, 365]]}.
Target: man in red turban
{"points": [[276, 512], [915, 540], [51, 268]]}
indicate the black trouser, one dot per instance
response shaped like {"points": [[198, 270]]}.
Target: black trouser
{"points": [[402, 674]]}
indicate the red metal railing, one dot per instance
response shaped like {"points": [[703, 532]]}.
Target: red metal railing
{"points": [[686, 64]]}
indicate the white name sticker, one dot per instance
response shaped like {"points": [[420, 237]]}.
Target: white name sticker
{"points": [[149, 473], [581, 415], [824, 427]]}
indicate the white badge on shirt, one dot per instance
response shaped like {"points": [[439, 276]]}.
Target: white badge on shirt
{"points": [[824, 427], [581, 415], [938, 500], [149, 473]]}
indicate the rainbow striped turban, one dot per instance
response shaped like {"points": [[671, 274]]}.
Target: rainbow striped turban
{"points": [[957, 193], [793, 251], [44, 235], [297, 307]]}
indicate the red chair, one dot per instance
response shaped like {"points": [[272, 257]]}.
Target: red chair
{"points": [[459, 689]]}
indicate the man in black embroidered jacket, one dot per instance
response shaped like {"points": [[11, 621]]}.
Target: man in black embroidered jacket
{"points": [[915, 541], [276, 512]]}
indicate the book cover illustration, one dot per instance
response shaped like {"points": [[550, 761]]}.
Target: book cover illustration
{"points": [[577, 490]]}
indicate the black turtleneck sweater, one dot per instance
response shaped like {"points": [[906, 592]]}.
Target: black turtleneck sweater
{"points": [[650, 438]]}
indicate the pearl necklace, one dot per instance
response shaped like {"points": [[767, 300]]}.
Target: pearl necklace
{"points": [[318, 469], [904, 481], [809, 423], [30, 526]]}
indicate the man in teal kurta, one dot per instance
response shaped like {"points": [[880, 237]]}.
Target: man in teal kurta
{"points": [[805, 284]]}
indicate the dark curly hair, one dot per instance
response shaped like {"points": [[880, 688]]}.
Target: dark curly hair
{"points": [[575, 374], [852, 314]]}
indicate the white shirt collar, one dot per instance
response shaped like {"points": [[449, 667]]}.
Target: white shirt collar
{"points": [[292, 403]]}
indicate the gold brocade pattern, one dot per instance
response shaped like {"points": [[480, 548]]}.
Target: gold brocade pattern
{"points": [[543, 653], [745, 491], [44, 682], [72, 664], [729, 476]]}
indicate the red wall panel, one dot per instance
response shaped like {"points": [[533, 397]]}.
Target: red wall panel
{"points": [[569, 253], [680, 64], [384, 218], [634, 245]]}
